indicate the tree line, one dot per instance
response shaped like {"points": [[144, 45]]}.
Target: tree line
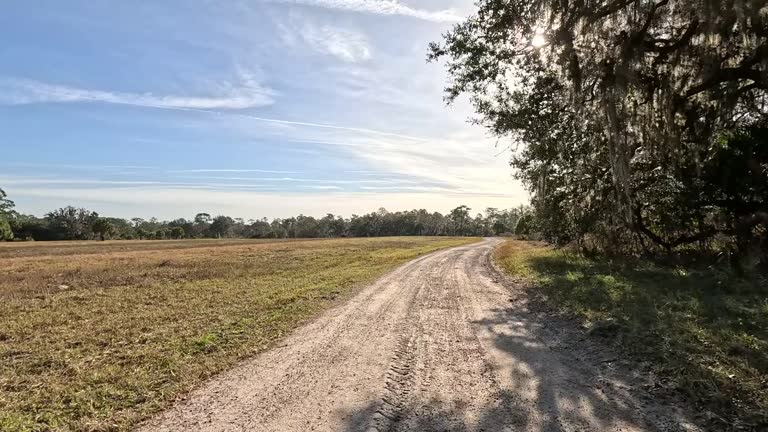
{"points": [[71, 223], [639, 126]]}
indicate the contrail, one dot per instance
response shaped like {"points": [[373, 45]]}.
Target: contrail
{"points": [[266, 119]]}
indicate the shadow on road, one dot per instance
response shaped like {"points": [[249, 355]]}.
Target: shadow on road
{"points": [[547, 378]]}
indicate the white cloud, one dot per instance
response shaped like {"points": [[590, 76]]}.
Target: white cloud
{"points": [[53, 181], [325, 187], [80, 167], [245, 93], [332, 127], [379, 7], [347, 45], [230, 171], [14, 181], [461, 162], [408, 188], [329, 143], [298, 180], [18, 92]]}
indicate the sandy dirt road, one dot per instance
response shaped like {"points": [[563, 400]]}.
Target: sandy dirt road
{"points": [[443, 343]]}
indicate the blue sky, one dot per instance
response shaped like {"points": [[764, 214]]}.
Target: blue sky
{"points": [[260, 108]]}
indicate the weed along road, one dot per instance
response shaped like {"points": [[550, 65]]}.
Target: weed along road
{"points": [[442, 343]]}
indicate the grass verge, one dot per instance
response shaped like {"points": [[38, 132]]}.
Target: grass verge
{"points": [[99, 341], [704, 331]]}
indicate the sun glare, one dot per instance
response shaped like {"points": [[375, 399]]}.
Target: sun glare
{"points": [[538, 40]]}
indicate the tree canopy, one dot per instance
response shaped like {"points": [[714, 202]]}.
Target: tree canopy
{"points": [[638, 123]]}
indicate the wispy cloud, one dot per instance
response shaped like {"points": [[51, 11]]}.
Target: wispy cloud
{"points": [[79, 167], [316, 125], [301, 180], [408, 188], [230, 170], [129, 184], [458, 161], [345, 44], [51, 181], [325, 187], [18, 92], [379, 7], [245, 93], [357, 113], [330, 143]]}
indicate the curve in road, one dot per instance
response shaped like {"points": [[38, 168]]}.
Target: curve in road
{"points": [[442, 343]]}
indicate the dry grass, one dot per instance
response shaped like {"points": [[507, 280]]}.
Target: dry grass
{"points": [[31, 248], [141, 323], [702, 329]]}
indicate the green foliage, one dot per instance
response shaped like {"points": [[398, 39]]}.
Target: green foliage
{"points": [[29, 227], [6, 213], [221, 226], [206, 342], [177, 232], [460, 219], [499, 228], [121, 228], [6, 205], [71, 223], [103, 228], [5, 229], [524, 225], [641, 124]]}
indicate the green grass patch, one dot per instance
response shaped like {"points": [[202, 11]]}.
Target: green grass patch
{"points": [[99, 341], [700, 327]]}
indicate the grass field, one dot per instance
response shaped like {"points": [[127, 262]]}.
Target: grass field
{"points": [[702, 329], [97, 336]]}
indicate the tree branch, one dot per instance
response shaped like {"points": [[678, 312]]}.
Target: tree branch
{"points": [[608, 9], [638, 36], [669, 245], [725, 75]]}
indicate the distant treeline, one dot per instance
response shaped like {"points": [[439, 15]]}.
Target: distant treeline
{"points": [[71, 223]]}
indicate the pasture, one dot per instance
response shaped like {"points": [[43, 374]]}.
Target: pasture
{"points": [[98, 335]]}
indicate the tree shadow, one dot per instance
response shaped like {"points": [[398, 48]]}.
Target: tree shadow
{"points": [[547, 379], [702, 329]]}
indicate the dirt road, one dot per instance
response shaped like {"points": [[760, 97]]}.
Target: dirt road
{"points": [[440, 344]]}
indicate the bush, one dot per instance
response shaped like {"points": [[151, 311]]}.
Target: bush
{"points": [[5, 230], [524, 225]]}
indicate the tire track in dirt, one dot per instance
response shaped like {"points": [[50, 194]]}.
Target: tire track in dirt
{"points": [[443, 343], [398, 386]]}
